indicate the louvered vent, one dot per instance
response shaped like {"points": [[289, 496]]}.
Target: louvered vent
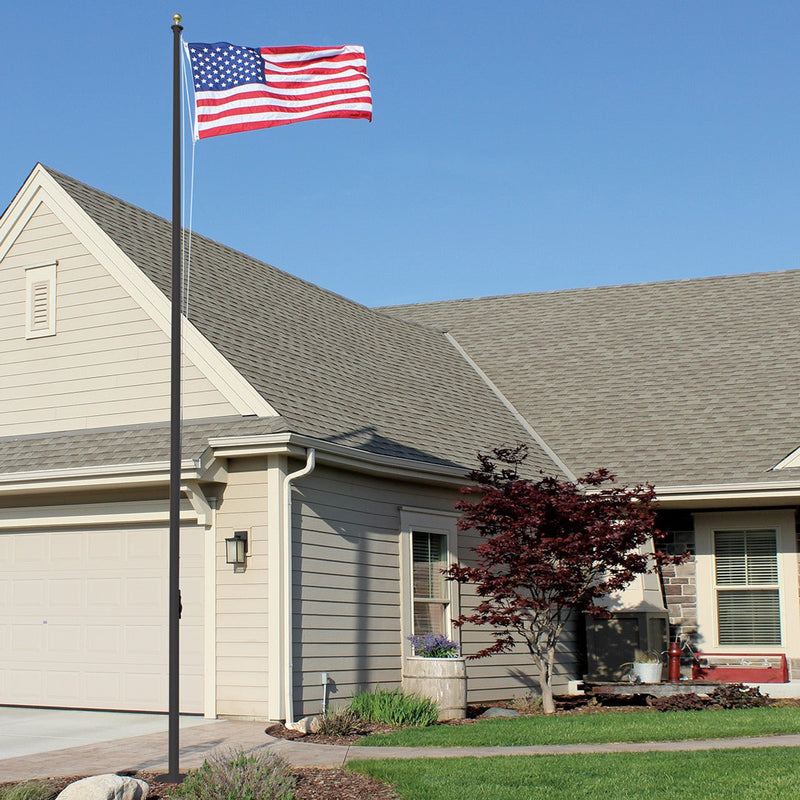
{"points": [[40, 306], [748, 596], [40, 301]]}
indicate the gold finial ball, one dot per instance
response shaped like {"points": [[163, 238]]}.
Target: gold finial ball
{"points": [[176, 18]]}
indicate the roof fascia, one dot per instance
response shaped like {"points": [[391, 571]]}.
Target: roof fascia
{"points": [[336, 455], [111, 476], [792, 460], [42, 187], [735, 493]]}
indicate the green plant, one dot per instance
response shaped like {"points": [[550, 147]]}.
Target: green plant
{"points": [[339, 722], [236, 775], [678, 702], [394, 708], [646, 657], [28, 790], [737, 695]]}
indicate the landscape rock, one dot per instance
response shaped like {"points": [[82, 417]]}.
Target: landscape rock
{"points": [[305, 725], [106, 787], [499, 712]]}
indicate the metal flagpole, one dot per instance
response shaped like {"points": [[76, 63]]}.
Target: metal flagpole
{"points": [[175, 415]]}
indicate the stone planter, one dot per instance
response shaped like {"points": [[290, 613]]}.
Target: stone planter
{"points": [[443, 680]]}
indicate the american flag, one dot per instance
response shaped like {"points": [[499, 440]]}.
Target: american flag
{"points": [[242, 88]]}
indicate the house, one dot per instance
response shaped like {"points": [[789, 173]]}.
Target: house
{"points": [[335, 438]]}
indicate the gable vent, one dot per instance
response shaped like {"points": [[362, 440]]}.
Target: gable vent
{"points": [[40, 301], [40, 306]]}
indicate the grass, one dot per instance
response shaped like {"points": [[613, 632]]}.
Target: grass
{"points": [[637, 726], [28, 790], [768, 774]]}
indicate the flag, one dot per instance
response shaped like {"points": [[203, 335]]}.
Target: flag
{"points": [[243, 88]]}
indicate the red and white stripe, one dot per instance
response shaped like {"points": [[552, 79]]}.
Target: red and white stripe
{"points": [[302, 83]]}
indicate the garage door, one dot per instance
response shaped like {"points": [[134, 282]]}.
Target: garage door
{"points": [[84, 618]]}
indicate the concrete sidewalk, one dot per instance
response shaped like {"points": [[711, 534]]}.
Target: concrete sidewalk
{"points": [[150, 752]]}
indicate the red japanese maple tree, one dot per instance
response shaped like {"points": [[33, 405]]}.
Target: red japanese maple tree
{"points": [[551, 548]]}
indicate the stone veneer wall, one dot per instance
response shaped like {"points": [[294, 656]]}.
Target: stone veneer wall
{"points": [[679, 581]]}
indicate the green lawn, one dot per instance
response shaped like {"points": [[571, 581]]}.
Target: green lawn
{"points": [[768, 774], [638, 726]]}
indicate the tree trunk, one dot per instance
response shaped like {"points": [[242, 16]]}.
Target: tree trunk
{"points": [[545, 682]]}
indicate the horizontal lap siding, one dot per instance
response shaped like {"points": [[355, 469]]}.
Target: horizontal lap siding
{"points": [[241, 609], [108, 363], [501, 677], [346, 531]]}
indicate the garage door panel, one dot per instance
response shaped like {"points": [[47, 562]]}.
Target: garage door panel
{"points": [[84, 621]]}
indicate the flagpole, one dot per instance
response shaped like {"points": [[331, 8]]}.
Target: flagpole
{"points": [[175, 416]]}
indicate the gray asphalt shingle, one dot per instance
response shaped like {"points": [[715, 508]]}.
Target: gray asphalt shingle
{"points": [[332, 368], [682, 382]]}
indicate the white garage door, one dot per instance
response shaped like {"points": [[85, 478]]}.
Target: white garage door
{"points": [[84, 618]]}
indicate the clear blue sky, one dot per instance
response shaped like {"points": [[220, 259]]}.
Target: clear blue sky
{"points": [[515, 146]]}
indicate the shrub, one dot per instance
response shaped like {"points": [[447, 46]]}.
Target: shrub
{"points": [[28, 790], [394, 708], [678, 702], [737, 695], [434, 645], [340, 722], [236, 775], [529, 704]]}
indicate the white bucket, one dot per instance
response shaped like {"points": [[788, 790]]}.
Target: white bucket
{"points": [[646, 672]]}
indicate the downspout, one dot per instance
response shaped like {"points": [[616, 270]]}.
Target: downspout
{"points": [[288, 676]]}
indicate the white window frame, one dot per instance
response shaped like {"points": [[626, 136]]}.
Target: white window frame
{"points": [[34, 275], [423, 520], [783, 523]]}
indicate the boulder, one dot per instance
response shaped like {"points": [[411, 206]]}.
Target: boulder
{"points": [[106, 787], [305, 725], [499, 712]]}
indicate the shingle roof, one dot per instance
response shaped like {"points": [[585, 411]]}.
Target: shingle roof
{"points": [[332, 368], [684, 382], [138, 444]]}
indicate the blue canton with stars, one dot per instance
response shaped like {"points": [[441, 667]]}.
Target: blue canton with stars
{"points": [[220, 66]]}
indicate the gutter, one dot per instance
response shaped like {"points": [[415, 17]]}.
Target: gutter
{"points": [[288, 622]]}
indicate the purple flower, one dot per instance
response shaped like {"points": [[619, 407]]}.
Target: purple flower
{"points": [[434, 645]]}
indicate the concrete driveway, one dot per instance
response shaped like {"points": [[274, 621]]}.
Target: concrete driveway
{"points": [[27, 731]]}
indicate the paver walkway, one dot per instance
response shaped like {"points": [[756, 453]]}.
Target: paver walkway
{"points": [[149, 752]]}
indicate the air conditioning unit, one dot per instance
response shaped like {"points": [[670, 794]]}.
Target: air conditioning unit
{"points": [[612, 643]]}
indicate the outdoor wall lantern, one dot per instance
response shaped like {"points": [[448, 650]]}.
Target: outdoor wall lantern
{"points": [[236, 549]]}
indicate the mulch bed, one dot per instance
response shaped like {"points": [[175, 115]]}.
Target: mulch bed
{"points": [[364, 729], [312, 784]]}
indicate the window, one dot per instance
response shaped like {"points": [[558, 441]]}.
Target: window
{"points": [[429, 552], [428, 602], [40, 301], [747, 581], [748, 595]]}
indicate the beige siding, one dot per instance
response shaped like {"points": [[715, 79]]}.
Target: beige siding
{"points": [[108, 363], [347, 591], [242, 613]]}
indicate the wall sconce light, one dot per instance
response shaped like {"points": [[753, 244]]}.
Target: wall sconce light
{"points": [[236, 549]]}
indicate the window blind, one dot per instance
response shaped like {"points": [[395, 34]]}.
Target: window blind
{"points": [[748, 596]]}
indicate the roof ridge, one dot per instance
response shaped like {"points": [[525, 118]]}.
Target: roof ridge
{"points": [[588, 289]]}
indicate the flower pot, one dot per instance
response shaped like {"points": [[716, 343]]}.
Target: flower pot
{"points": [[647, 672], [443, 680]]}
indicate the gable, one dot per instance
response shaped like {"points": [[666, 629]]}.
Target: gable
{"points": [[106, 361]]}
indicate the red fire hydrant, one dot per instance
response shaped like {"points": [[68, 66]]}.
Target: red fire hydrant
{"points": [[674, 653]]}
